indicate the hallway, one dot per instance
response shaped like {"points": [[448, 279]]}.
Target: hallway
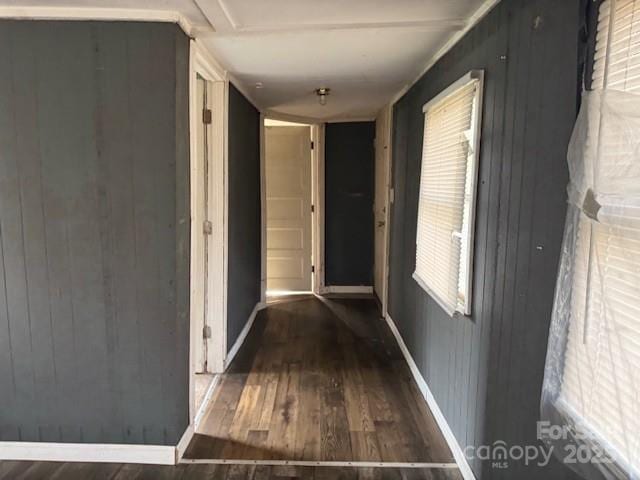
{"points": [[319, 380]]}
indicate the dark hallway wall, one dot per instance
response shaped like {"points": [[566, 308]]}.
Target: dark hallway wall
{"points": [[244, 268], [485, 371], [94, 232], [349, 184]]}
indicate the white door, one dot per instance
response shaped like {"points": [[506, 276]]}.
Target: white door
{"points": [[381, 204], [288, 196], [202, 230]]}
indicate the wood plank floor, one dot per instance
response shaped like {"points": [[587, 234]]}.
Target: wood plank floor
{"points": [[320, 380], [96, 471]]}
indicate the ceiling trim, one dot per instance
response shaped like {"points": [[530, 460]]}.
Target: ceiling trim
{"points": [[285, 117], [431, 25], [98, 13], [238, 27], [227, 13], [473, 20]]}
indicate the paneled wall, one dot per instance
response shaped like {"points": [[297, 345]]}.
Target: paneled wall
{"points": [[244, 213], [486, 371], [349, 175], [94, 232]]}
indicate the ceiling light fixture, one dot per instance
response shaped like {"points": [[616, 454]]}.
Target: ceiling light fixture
{"points": [[322, 94]]}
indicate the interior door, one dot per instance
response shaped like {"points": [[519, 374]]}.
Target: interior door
{"points": [[380, 205], [288, 197], [202, 224]]}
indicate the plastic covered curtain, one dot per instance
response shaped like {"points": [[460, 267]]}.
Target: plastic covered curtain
{"points": [[590, 404]]}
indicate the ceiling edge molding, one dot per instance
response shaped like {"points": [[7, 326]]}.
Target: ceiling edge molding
{"points": [[285, 117], [349, 119], [227, 13], [430, 25], [474, 19], [99, 14]]}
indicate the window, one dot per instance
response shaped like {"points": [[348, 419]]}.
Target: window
{"points": [[444, 239], [601, 376], [617, 54]]}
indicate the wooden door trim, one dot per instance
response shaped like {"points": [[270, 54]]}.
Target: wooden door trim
{"points": [[202, 64]]}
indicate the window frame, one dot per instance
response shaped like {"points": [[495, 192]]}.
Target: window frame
{"points": [[468, 239]]}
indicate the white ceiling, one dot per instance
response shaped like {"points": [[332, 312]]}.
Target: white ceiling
{"points": [[364, 50]]}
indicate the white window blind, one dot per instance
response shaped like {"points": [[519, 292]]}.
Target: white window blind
{"points": [[617, 54], [601, 377], [602, 360], [444, 238]]}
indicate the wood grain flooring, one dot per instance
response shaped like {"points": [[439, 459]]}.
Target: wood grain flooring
{"points": [[96, 471], [320, 380]]}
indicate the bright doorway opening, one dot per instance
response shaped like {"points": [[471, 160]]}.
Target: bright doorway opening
{"points": [[288, 208]]}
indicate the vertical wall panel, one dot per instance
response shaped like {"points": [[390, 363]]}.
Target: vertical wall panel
{"points": [[486, 371], [94, 135], [244, 213], [349, 220]]}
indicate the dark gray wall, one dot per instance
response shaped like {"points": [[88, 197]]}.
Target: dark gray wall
{"points": [[349, 178], [94, 232], [486, 371], [244, 213]]}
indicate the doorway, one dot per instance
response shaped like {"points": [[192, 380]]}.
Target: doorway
{"points": [[288, 207], [201, 216], [381, 206], [208, 91]]}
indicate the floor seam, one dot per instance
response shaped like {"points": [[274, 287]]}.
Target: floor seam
{"points": [[320, 463]]}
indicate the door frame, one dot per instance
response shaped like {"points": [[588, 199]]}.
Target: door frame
{"points": [[386, 114], [317, 200], [202, 64]]}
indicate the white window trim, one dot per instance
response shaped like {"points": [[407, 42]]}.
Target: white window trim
{"points": [[476, 127]]}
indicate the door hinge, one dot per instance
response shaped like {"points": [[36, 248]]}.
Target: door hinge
{"points": [[206, 331], [313, 268], [206, 116], [313, 208], [207, 227], [312, 144]]}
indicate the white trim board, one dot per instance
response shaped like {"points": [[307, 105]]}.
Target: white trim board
{"points": [[204, 406], [320, 463], [458, 454], [317, 199], [183, 443], [89, 452], [202, 64], [98, 14], [243, 334], [348, 289]]}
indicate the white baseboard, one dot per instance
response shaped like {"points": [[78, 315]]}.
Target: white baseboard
{"points": [[184, 442], [202, 410], [348, 289], [458, 454], [243, 334], [88, 452]]}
